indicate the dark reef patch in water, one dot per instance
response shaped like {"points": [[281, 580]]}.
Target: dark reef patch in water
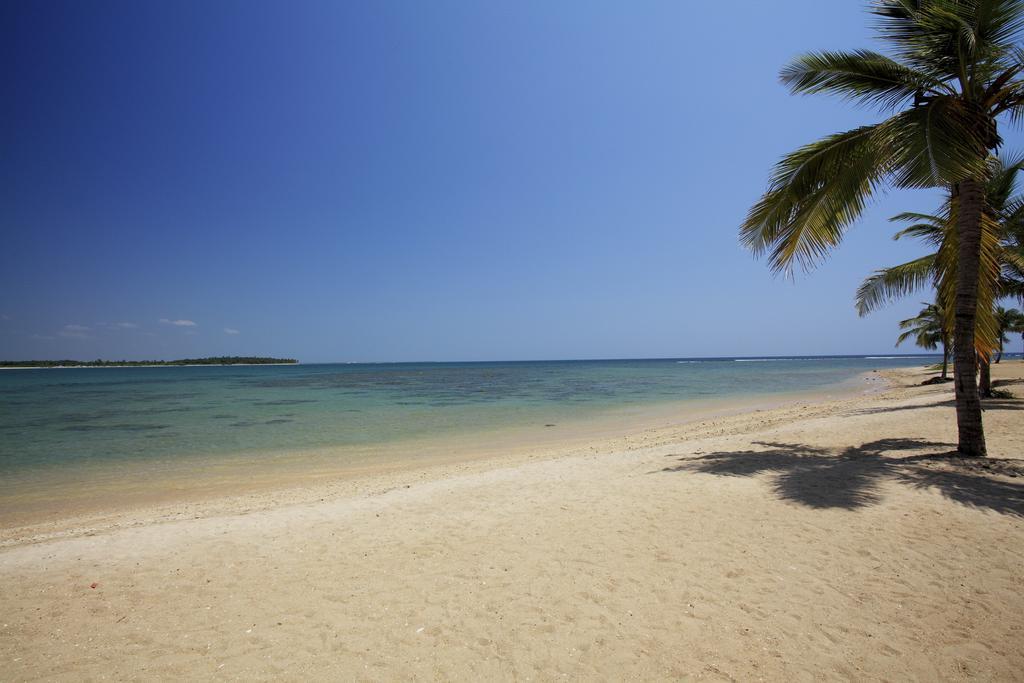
{"points": [[255, 423], [153, 398], [114, 428]]}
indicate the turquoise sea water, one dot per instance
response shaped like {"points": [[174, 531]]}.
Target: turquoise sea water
{"points": [[60, 418]]}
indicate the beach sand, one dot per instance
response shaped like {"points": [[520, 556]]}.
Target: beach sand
{"points": [[811, 541]]}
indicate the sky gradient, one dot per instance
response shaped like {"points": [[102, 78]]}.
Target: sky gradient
{"points": [[410, 181]]}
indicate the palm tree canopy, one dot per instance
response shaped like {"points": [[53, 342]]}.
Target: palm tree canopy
{"points": [[954, 69], [1001, 255], [1010, 321], [926, 328]]}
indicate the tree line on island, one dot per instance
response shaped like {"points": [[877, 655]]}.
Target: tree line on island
{"points": [[955, 72], [98, 363]]}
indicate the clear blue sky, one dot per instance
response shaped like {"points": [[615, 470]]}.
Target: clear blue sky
{"points": [[415, 181]]}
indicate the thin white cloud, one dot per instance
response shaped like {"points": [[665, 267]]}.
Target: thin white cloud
{"points": [[230, 330], [115, 326], [75, 331], [43, 337], [5, 317], [178, 323]]}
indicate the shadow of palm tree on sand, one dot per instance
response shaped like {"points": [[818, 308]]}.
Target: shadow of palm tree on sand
{"points": [[851, 478], [986, 404]]}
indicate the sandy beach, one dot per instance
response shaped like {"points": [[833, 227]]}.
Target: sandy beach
{"points": [[828, 539]]}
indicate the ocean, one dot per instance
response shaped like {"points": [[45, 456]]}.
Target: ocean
{"points": [[71, 425]]}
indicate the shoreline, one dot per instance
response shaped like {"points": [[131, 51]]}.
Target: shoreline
{"points": [[198, 483], [822, 539]]}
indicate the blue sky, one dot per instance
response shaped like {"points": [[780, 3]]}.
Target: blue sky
{"points": [[416, 181]]}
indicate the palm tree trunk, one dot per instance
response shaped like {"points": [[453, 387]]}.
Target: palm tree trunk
{"points": [[945, 360], [985, 378], [968, 402], [999, 356]]}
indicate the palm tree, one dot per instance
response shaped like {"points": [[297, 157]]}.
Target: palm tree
{"points": [[1018, 327], [1001, 259], [1009, 321], [1013, 268], [928, 329], [954, 71], [985, 377]]}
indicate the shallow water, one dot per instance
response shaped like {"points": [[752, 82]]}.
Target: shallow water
{"points": [[59, 418]]}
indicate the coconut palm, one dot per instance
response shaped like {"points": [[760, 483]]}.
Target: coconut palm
{"points": [[928, 330], [1001, 260], [954, 71], [1003, 257], [1009, 321], [1013, 268], [1017, 328]]}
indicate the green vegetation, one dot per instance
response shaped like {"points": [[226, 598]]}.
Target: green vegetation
{"points": [[1009, 321], [215, 360], [1001, 264], [928, 329], [955, 70], [999, 273]]}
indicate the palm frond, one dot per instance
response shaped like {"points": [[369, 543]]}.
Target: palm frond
{"points": [[926, 232], [908, 216], [814, 195], [861, 75], [941, 36], [1013, 217], [1015, 109], [888, 284], [1011, 280], [997, 23], [935, 144], [1002, 180], [1006, 87]]}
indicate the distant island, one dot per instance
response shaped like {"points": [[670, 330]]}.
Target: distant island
{"points": [[215, 360]]}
